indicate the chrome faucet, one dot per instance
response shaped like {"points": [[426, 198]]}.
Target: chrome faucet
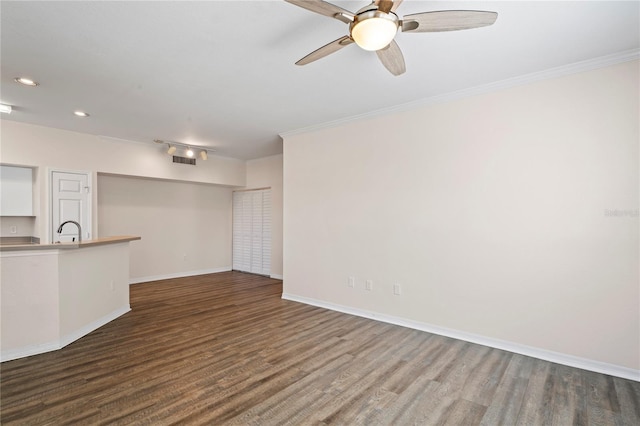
{"points": [[75, 223]]}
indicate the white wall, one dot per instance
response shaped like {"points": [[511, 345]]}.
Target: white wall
{"points": [[262, 173], [185, 227], [491, 213], [93, 284], [45, 147], [29, 299]]}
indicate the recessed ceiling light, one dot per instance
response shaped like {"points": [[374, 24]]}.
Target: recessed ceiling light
{"points": [[81, 113], [26, 81]]}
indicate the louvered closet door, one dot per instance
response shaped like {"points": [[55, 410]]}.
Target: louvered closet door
{"points": [[252, 231]]}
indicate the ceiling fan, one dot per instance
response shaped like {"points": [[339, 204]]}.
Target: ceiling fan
{"points": [[374, 27]]}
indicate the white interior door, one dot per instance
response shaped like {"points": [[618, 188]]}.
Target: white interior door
{"points": [[252, 231], [70, 200]]}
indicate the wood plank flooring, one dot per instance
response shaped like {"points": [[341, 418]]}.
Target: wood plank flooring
{"points": [[225, 349]]}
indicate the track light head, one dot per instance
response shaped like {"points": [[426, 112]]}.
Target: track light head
{"points": [[186, 150]]}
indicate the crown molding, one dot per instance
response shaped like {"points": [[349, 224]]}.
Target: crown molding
{"points": [[574, 68]]}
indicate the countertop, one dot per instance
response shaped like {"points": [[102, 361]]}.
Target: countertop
{"points": [[74, 245]]}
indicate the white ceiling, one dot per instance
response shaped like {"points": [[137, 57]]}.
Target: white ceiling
{"points": [[222, 73]]}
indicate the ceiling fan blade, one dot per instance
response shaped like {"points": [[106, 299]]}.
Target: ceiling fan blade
{"points": [[396, 3], [391, 57], [324, 8], [325, 50], [447, 20]]}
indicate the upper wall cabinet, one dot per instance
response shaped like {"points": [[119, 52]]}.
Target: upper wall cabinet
{"points": [[16, 191]]}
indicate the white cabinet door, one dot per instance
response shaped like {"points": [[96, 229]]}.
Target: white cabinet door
{"points": [[16, 191]]}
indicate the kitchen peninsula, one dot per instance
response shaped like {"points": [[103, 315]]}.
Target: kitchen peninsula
{"points": [[53, 294]]}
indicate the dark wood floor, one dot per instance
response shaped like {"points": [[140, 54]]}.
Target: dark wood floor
{"points": [[225, 349]]}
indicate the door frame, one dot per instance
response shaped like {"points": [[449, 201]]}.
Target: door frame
{"points": [[50, 225]]}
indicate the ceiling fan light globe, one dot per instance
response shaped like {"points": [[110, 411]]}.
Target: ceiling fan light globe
{"points": [[374, 33]]}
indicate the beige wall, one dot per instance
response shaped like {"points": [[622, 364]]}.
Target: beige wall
{"points": [[25, 226], [29, 298], [45, 147], [50, 298], [177, 209], [185, 227], [27, 144], [492, 213], [263, 173]]}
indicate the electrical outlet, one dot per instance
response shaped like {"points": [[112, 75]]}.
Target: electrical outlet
{"points": [[396, 289], [111, 286], [368, 285], [13, 229], [351, 282], [184, 256]]}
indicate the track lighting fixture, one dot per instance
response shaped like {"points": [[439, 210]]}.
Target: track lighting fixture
{"points": [[172, 149]]}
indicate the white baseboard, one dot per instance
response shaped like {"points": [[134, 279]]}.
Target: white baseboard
{"points": [[559, 358], [72, 337], [26, 351], [277, 277], [179, 275]]}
